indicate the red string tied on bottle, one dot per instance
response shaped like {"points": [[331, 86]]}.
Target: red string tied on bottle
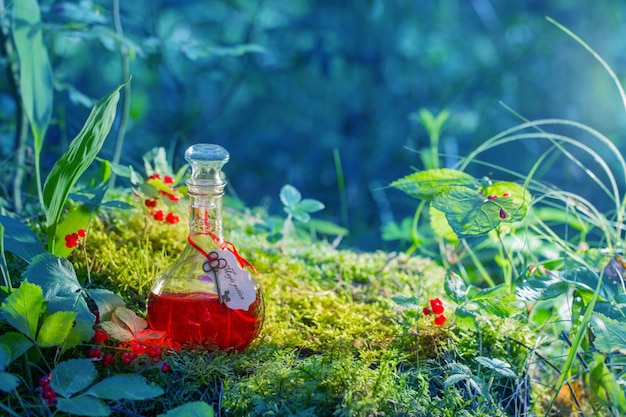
{"points": [[223, 244]]}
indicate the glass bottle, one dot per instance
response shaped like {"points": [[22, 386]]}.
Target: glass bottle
{"points": [[207, 297]]}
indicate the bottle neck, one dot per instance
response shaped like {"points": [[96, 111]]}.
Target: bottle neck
{"points": [[205, 212]]}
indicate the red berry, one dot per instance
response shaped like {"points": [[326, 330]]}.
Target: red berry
{"points": [[48, 395], [94, 353], [165, 368], [128, 357], [52, 400], [172, 218], [71, 240], [158, 216], [138, 348], [437, 305], [440, 320], [506, 195], [81, 233], [154, 351], [492, 197], [108, 360], [173, 197], [150, 202], [154, 177], [427, 311], [100, 336], [168, 180], [44, 381]]}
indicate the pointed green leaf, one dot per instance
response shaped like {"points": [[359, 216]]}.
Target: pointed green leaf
{"points": [[35, 69], [130, 387], [440, 225], [310, 205], [8, 382], [83, 405], [290, 196], [20, 239], [193, 409], [17, 343], [73, 376], [76, 218], [57, 278], [23, 307], [56, 328], [426, 184], [72, 164], [325, 227], [299, 215], [406, 302], [501, 367]]}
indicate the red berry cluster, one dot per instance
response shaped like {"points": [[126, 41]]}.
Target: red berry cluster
{"points": [[152, 202], [71, 240], [436, 308], [47, 392]]}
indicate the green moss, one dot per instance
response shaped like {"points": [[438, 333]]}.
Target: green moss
{"points": [[333, 342]]}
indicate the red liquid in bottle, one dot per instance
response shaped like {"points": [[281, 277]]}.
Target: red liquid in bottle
{"points": [[199, 318]]}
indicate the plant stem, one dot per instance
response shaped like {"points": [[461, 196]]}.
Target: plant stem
{"points": [[119, 142]]}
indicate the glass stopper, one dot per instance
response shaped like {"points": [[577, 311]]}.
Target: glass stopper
{"points": [[206, 162]]}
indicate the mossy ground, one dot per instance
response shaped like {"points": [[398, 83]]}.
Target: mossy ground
{"points": [[334, 343]]}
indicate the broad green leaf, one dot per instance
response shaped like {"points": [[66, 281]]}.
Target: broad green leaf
{"points": [[290, 196], [406, 302], [134, 323], [8, 382], [17, 343], [455, 287], [130, 387], [514, 195], [470, 213], [605, 385], [610, 335], [310, 205], [194, 409], [440, 225], [36, 86], [55, 328], [116, 331], [106, 301], [72, 164], [83, 405], [23, 308], [20, 239], [62, 291], [299, 215], [327, 228], [73, 376], [426, 184], [5, 356]]}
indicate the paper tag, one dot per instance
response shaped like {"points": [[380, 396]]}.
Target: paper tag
{"points": [[234, 283]]}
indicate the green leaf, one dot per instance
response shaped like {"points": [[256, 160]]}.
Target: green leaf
{"points": [[310, 205], [455, 287], [77, 218], [83, 405], [23, 308], [56, 328], [72, 164], [290, 196], [57, 278], [106, 301], [117, 331], [17, 343], [605, 385], [134, 323], [36, 86], [501, 367], [470, 213], [426, 184], [325, 227], [20, 239], [440, 225], [8, 382], [406, 302], [193, 409], [610, 334], [130, 387], [5, 357], [299, 215], [4, 268], [73, 376]]}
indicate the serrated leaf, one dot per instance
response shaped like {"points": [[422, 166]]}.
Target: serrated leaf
{"points": [[440, 225], [610, 334], [56, 328], [290, 196], [193, 409], [72, 164], [23, 308], [133, 322], [73, 376], [499, 366], [470, 213], [83, 405], [117, 331], [130, 387], [20, 239], [455, 379], [106, 301], [17, 343], [426, 184]]}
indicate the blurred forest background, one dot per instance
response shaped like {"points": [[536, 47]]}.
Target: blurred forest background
{"points": [[290, 87]]}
